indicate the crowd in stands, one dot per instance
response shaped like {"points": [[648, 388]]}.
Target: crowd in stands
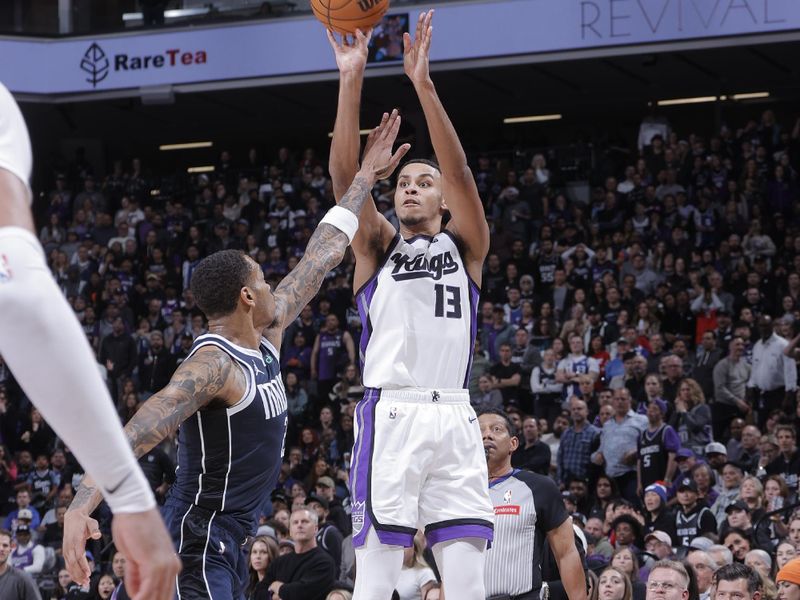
{"points": [[642, 342]]}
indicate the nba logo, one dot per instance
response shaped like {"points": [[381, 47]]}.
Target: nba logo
{"points": [[507, 497], [5, 270], [392, 413]]}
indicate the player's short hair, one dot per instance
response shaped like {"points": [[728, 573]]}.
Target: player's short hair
{"points": [[217, 281], [736, 571], [503, 415], [421, 161]]}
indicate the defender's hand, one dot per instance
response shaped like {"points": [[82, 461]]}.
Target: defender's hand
{"points": [[415, 55], [378, 161]]}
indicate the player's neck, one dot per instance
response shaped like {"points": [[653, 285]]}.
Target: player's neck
{"points": [[428, 228], [238, 329]]}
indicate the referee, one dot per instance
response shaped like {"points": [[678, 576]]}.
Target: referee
{"points": [[528, 509]]}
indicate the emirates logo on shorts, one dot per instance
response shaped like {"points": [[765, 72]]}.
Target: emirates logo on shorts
{"points": [[5, 270]]}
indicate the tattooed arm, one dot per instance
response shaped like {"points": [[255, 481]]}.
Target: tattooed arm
{"points": [[208, 375], [327, 246]]}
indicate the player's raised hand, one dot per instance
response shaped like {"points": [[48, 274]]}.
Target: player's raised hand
{"points": [[378, 161], [151, 562], [351, 50], [416, 52]]}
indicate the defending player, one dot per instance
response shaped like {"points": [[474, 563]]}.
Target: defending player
{"points": [[229, 399], [43, 344], [418, 456]]}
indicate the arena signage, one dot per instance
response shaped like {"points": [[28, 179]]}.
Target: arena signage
{"points": [[297, 47]]}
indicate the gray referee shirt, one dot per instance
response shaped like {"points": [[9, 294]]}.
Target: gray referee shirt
{"points": [[526, 506]]}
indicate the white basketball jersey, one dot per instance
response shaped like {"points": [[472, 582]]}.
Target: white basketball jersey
{"points": [[419, 316]]}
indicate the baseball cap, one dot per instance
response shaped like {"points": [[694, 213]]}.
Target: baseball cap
{"points": [[279, 496], [325, 481], [687, 483], [738, 505], [716, 448], [623, 341], [569, 497], [701, 543], [661, 536], [684, 453], [592, 310], [662, 405], [24, 513], [268, 531], [318, 499]]}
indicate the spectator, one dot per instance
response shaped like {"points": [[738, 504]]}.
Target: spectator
{"points": [[618, 444], [263, 552], [306, 573], [488, 396], [23, 503], [416, 577], [329, 538], [704, 567], [547, 392], [16, 583], [787, 464], [730, 388], [506, 375], [333, 350], [532, 454], [27, 554], [671, 577], [773, 378], [613, 584], [658, 516], [692, 519], [785, 553], [788, 580], [657, 447], [692, 416], [577, 444]]}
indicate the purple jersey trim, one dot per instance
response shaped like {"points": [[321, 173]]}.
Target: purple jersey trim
{"points": [[454, 532]]}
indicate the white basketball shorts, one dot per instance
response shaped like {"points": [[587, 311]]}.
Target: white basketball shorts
{"points": [[418, 461]]}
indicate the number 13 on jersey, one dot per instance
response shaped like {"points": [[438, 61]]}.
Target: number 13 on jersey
{"points": [[447, 297]]}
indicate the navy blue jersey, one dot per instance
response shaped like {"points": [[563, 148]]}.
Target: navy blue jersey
{"points": [[229, 458]]}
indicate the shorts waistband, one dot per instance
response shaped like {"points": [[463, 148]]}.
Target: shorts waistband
{"points": [[426, 396]]}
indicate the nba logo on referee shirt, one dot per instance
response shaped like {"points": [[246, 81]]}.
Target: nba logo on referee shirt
{"points": [[5, 270], [507, 497]]}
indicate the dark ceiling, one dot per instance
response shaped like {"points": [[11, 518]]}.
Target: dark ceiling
{"points": [[591, 94]]}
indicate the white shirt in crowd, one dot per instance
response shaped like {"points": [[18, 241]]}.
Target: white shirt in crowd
{"points": [[771, 369]]}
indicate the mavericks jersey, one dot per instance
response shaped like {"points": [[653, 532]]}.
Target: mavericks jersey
{"points": [[419, 316], [229, 458]]}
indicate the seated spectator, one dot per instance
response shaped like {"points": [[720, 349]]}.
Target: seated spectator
{"points": [[263, 552], [23, 503], [613, 584], [416, 577], [329, 538], [27, 555], [307, 572]]}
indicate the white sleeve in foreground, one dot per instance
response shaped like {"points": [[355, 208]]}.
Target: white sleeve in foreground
{"points": [[43, 344], [15, 145]]}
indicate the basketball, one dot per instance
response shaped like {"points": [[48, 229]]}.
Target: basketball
{"points": [[345, 16]]}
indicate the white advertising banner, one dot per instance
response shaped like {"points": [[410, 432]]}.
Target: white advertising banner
{"points": [[293, 46]]}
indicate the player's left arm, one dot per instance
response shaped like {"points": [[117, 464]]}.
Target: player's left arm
{"points": [[460, 193], [327, 246], [562, 543]]}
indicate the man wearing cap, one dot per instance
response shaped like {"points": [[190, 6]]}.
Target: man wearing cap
{"points": [[329, 538], [692, 519], [739, 518], [730, 388], [28, 555], [788, 580], [716, 455], [23, 503], [773, 377], [14, 583], [657, 446], [326, 488], [597, 326], [659, 544]]}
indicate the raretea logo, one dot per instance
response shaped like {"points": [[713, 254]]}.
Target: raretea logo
{"points": [[95, 64]]}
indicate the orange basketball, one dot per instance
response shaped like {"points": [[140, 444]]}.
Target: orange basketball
{"points": [[345, 16]]}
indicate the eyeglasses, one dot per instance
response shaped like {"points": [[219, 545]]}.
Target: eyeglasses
{"points": [[667, 586]]}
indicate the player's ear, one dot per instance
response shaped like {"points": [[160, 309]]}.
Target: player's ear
{"points": [[246, 295], [514, 443]]}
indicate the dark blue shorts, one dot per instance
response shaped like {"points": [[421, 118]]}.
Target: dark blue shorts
{"points": [[211, 547]]}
